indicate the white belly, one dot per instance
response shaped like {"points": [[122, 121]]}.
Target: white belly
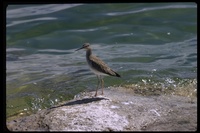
{"points": [[97, 72]]}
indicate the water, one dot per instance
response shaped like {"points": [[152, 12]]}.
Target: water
{"points": [[154, 42]]}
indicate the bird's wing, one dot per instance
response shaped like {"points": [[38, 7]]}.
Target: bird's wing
{"points": [[101, 66]]}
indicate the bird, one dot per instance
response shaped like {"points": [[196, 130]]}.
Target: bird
{"points": [[97, 66]]}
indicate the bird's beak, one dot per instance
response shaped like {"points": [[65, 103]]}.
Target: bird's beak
{"points": [[79, 49]]}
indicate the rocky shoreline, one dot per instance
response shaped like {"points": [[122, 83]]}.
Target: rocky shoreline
{"points": [[118, 110]]}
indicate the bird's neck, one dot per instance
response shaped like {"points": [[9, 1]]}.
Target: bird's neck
{"points": [[88, 53]]}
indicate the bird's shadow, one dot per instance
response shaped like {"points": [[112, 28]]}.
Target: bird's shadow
{"points": [[82, 101]]}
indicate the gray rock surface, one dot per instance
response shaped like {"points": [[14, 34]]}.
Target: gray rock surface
{"points": [[118, 110]]}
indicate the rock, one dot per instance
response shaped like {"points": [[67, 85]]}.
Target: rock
{"points": [[117, 110]]}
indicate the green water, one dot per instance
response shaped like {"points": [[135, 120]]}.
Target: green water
{"points": [[154, 42]]}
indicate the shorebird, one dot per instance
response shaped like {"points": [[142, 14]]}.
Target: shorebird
{"points": [[97, 66]]}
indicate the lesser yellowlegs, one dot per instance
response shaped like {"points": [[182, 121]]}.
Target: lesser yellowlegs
{"points": [[97, 66]]}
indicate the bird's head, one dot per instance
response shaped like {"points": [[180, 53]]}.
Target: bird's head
{"points": [[85, 46]]}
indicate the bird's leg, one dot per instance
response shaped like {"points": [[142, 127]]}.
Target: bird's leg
{"points": [[102, 84], [97, 86]]}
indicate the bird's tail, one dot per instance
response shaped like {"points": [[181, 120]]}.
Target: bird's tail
{"points": [[117, 74]]}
